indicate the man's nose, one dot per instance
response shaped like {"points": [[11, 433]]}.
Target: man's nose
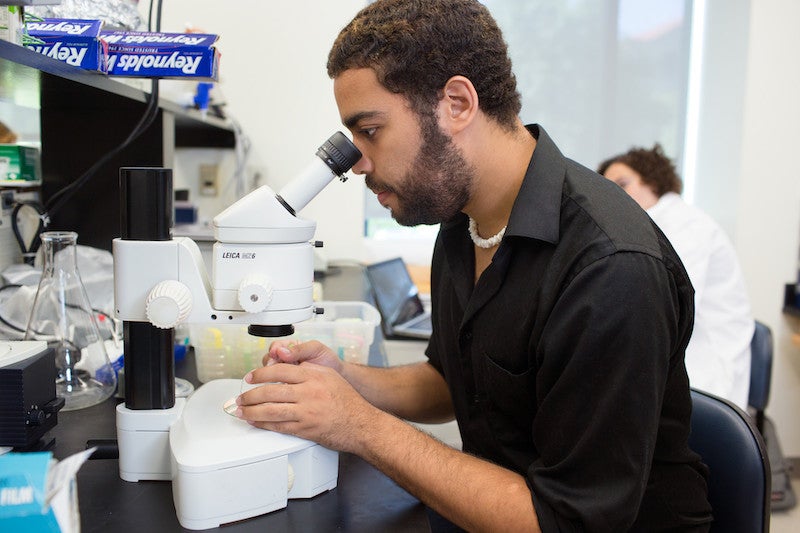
{"points": [[362, 166]]}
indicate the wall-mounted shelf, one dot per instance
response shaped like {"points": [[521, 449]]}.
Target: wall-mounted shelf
{"points": [[83, 116], [22, 71]]}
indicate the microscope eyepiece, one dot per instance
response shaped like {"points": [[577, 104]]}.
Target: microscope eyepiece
{"points": [[339, 153], [333, 158]]}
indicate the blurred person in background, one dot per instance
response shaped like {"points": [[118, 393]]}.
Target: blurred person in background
{"points": [[718, 355]]}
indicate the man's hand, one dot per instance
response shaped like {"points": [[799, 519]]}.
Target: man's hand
{"points": [[295, 353], [307, 399]]}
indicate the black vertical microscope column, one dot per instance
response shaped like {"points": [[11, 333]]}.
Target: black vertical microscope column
{"points": [[146, 213]]}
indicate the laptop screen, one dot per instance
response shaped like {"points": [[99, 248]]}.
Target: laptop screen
{"points": [[395, 293]]}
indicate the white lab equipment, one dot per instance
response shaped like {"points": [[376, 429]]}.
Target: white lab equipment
{"points": [[226, 470], [262, 275]]}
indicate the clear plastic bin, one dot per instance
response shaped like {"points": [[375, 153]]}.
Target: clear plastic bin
{"points": [[228, 351]]}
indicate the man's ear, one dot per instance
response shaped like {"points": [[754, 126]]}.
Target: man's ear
{"points": [[459, 104]]}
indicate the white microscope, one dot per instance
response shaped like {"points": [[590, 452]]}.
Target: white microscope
{"points": [[221, 468]]}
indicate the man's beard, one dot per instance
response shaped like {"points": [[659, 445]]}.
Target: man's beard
{"points": [[439, 183]]}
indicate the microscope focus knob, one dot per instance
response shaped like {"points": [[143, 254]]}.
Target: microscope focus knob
{"points": [[168, 304], [255, 293]]}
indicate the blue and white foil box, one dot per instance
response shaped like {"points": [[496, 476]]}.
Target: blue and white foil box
{"points": [[161, 55], [23, 491], [73, 41], [39, 494]]}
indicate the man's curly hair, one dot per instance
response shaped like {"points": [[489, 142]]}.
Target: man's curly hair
{"points": [[415, 46], [655, 168]]}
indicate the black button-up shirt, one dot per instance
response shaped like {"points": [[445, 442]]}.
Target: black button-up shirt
{"points": [[565, 360]]}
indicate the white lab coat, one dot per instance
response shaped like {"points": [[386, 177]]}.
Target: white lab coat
{"points": [[718, 355]]}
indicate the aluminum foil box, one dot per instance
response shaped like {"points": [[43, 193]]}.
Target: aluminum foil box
{"points": [[161, 55], [73, 41]]}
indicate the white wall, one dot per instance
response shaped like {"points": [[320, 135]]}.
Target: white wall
{"points": [[274, 82], [746, 178], [768, 192]]}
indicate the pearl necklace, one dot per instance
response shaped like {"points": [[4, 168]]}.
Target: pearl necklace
{"points": [[479, 241]]}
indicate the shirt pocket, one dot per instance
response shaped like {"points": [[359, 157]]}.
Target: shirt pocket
{"points": [[509, 402]]}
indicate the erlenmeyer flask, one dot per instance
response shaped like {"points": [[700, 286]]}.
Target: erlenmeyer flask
{"points": [[63, 317]]}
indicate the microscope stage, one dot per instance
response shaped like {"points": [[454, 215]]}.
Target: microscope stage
{"points": [[224, 469]]}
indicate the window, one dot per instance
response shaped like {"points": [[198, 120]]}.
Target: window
{"points": [[599, 75]]}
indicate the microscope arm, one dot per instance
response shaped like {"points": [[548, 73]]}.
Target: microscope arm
{"points": [[166, 283]]}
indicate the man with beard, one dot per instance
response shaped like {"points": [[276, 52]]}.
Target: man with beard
{"points": [[560, 313]]}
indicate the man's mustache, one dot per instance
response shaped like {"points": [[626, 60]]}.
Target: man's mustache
{"points": [[375, 186]]}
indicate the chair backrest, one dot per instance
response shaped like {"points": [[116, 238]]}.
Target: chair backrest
{"points": [[760, 367], [739, 484]]}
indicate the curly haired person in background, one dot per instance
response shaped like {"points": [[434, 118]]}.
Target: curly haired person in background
{"points": [[718, 355]]}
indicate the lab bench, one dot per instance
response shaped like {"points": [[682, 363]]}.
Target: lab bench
{"points": [[365, 500]]}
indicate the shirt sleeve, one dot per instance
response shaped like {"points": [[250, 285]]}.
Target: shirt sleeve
{"points": [[606, 354]]}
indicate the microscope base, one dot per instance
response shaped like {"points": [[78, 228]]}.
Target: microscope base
{"points": [[143, 439], [226, 470]]}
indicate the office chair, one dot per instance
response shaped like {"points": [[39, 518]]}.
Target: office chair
{"points": [[761, 348], [760, 372], [739, 482]]}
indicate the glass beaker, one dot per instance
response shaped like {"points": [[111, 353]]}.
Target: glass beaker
{"points": [[63, 316]]}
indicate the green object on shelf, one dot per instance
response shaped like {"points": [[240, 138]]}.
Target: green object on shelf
{"points": [[19, 163]]}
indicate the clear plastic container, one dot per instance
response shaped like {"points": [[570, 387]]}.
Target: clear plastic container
{"points": [[228, 351]]}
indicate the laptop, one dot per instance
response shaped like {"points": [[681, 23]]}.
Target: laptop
{"points": [[398, 301]]}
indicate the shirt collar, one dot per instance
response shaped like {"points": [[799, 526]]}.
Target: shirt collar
{"points": [[664, 203], [537, 209]]}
